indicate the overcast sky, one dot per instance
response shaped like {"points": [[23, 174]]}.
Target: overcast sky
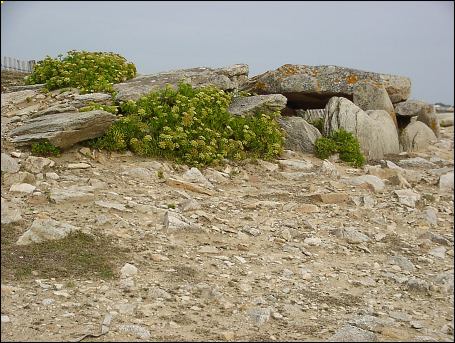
{"points": [[413, 39]]}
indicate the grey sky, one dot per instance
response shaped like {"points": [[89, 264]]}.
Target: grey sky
{"points": [[413, 39]]}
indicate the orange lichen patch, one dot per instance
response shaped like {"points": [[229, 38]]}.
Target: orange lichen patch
{"points": [[351, 79], [289, 70], [260, 86]]}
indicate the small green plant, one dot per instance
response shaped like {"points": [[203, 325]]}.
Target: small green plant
{"points": [[318, 124], [28, 99], [171, 206], [341, 142], [45, 148], [94, 106], [88, 71], [160, 174], [192, 126]]}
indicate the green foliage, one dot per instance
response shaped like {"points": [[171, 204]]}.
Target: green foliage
{"points": [[192, 126], [89, 71], [318, 124], [341, 142], [94, 106], [45, 148]]}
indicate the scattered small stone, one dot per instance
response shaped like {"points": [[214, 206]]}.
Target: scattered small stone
{"points": [[259, 315], [307, 208], [52, 176], [5, 319], [22, 188], [47, 302], [370, 181], [416, 325], [78, 166], [439, 252], [331, 198], [349, 333], [402, 262], [351, 235], [9, 164], [407, 197], [128, 270], [137, 330], [207, 249]]}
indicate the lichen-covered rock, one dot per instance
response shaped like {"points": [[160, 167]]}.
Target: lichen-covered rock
{"points": [[299, 135], [375, 133], [258, 104], [416, 136], [63, 129], [312, 86], [228, 78]]}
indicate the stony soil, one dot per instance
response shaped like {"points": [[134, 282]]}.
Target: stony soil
{"points": [[263, 256]]}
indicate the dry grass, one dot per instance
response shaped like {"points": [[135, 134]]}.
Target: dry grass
{"points": [[77, 255]]}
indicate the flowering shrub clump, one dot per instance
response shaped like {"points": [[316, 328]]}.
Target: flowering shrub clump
{"points": [[192, 126], [342, 142], [88, 71]]}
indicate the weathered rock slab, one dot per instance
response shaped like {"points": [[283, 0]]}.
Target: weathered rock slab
{"points": [[63, 129], [312, 86], [258, 104], [229, 78]]}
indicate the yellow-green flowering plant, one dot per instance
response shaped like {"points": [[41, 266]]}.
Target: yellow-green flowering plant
{"points": [[88, 71], [192, 126]]}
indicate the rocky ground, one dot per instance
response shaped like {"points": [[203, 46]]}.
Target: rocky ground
{"points": [[295, 249]]}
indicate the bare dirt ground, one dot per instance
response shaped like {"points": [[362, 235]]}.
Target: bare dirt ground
{"points": [[254, 251]]}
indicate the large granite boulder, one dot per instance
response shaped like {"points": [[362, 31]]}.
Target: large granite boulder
{"points": [[312, 86], [423, 111], [228, 78], [299, 135], [416, 136], [375, 132], [258, 104], [412, 108], [63, 129], [387, 131], [369, 96], [431, 120]]}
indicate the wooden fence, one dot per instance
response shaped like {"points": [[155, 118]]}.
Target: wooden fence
{"points": [[14, 64]]}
